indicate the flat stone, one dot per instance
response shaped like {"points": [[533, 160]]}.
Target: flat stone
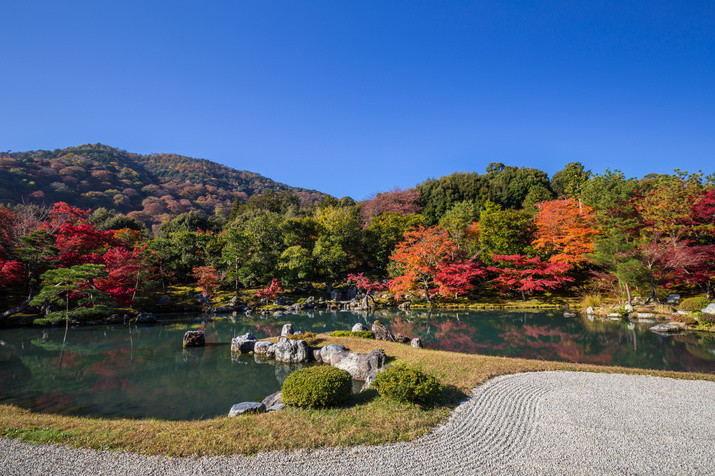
{"points": [[667, 328], [246, 407], [569, 314]]}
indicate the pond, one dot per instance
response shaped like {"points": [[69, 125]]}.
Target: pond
{"points": [[142, 371]]}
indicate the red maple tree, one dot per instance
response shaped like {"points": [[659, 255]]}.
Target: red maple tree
{"points": [[527, 275]]}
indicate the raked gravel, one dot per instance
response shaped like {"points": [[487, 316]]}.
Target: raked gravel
{"points": [[532, 423]]}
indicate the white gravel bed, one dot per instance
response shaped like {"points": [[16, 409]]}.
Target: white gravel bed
{"points": [[533, 423]]}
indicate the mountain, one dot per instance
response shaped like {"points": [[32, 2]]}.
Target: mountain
{"points": [[150, 188]]}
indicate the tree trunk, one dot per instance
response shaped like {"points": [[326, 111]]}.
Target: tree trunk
{"points": [[17, 309], [628, 294]]}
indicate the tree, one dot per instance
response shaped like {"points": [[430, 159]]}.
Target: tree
{"points": [[402, 202], [338, 246], [382, 235], [366, 285], [233, 254], [458, 219], [295, 264], [418, 258], [570, 181], [207, 279], [272, 290], [505, 232], [527, 275], [457, 278], [565, 231]]}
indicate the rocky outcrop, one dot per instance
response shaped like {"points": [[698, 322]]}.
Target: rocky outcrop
{"points": [[287, 329], [667, 328], [292, 350], [262, 346], [329, 350], [246, 407], [194, 339], [382, 332], [359, 366], [243, 344]]}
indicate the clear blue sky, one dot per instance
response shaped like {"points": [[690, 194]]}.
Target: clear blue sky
{"points": [[353, 98]]}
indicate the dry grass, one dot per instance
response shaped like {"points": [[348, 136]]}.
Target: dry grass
{"points": [[366, 419]]}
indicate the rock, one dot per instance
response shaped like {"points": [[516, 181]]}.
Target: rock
{"points": [[194, 339], [165, 300], [416, 342], [628, 308], [569, 314], [336, 358], [645, 315], [234, 301], [327, 352], [278, 314], [613, 314], [404, 306], [382, 332], [243, 344], [317, 356], [673, 299], [288, 350], [287, 329], [589, 310], [309, 303], [271, 351], [272, 400], [667, 328], [262, 346], [359, 366], [146, 318], [710, 309], [246, 407], [359, 327], [370, 379], [221, 310], [402, 339]]}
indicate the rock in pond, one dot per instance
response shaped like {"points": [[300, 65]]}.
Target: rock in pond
{"points": [[569, 314], [667, 328], [246, 407], [287, 329], [146, 318], [416, 342], [359, 327], [262, 346], [292, 350], [194, 339], [243, 344]]}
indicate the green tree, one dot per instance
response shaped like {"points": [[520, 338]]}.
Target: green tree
{"points": [[383, 233], [338, 245], [233, 254], [505, 232], [295, 264], [570, 180]]}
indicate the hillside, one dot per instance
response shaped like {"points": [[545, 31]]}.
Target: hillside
{"points": [[150, 188]]}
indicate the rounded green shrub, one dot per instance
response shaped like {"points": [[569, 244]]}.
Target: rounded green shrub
{"points": [[407, 385], [694, 304], [319, 386]]}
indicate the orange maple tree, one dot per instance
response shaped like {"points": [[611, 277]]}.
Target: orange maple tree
{"points": [[565, 230]]}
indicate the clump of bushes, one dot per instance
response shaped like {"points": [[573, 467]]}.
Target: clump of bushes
{"points": [[304, 336], [407, 384], [621, 311], [694, 304], [708, 319], [591, 300], [321, 386], [361, 334], [685, 319]]}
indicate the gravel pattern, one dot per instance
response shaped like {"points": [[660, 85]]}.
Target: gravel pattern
{"points": [[532, 423]]}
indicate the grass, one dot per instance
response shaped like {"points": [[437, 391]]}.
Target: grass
{"points": [[366, 419]]}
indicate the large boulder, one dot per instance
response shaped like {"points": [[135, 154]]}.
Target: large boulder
{"points": [[287, 329], [359, 366], [246, 407], [416, 342], [382, 332], [292, 350], [359, 327], [327, 352], [262, 346], [194, 339], [710, 309], [243, 344]]}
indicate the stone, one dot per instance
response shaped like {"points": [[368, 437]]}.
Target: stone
{"points": [[243, 344], [262, 346], [336, 358], [359, 327], [246, 407], [710, 309], [589, 310], [292, 350], [628, 308], [194, 339], [317, 356], [234, 301], [382, 332], [673, 299], [370, 379], [359, 366], [273, 400], [271, 351], [416, 342], [402, 339], [309, 303], [645, 315], [287, 329], [667, 328], [569, 314], [165, 300], [146, 318], [330, 349], [404, 306]]}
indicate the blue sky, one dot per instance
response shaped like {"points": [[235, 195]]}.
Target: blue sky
{"points": [[353, 98]]}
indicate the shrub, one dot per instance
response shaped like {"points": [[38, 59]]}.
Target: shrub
{"points": [[408, 385], [591, 300], [621, 311], [361, 334], [685, 319], [694, 304], [321, 386], [706, 318]]}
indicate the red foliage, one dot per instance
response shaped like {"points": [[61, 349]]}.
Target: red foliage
{"points": [[272, 290], [124, 268], [565, 229], [458, 277], [10, 272], [519, 272], [207, 279], [364, 284], [399, 201]]}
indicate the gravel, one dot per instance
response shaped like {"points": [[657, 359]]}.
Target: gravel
{"points": [[532, 423]]}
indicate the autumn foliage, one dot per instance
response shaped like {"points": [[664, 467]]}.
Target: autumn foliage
{"points": [[272, 290], [527, 275], [565, 230]]}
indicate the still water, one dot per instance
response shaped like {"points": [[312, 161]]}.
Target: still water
{"points": [[137, 372]]}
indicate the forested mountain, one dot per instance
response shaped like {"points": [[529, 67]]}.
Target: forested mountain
{"points": [[149, 188]]}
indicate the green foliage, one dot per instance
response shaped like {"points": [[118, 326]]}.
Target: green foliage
{"points": [[408, 385], [320, 386], [570, 180], [360, 334], [505, 232], [591, 300], [694, 303]]}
